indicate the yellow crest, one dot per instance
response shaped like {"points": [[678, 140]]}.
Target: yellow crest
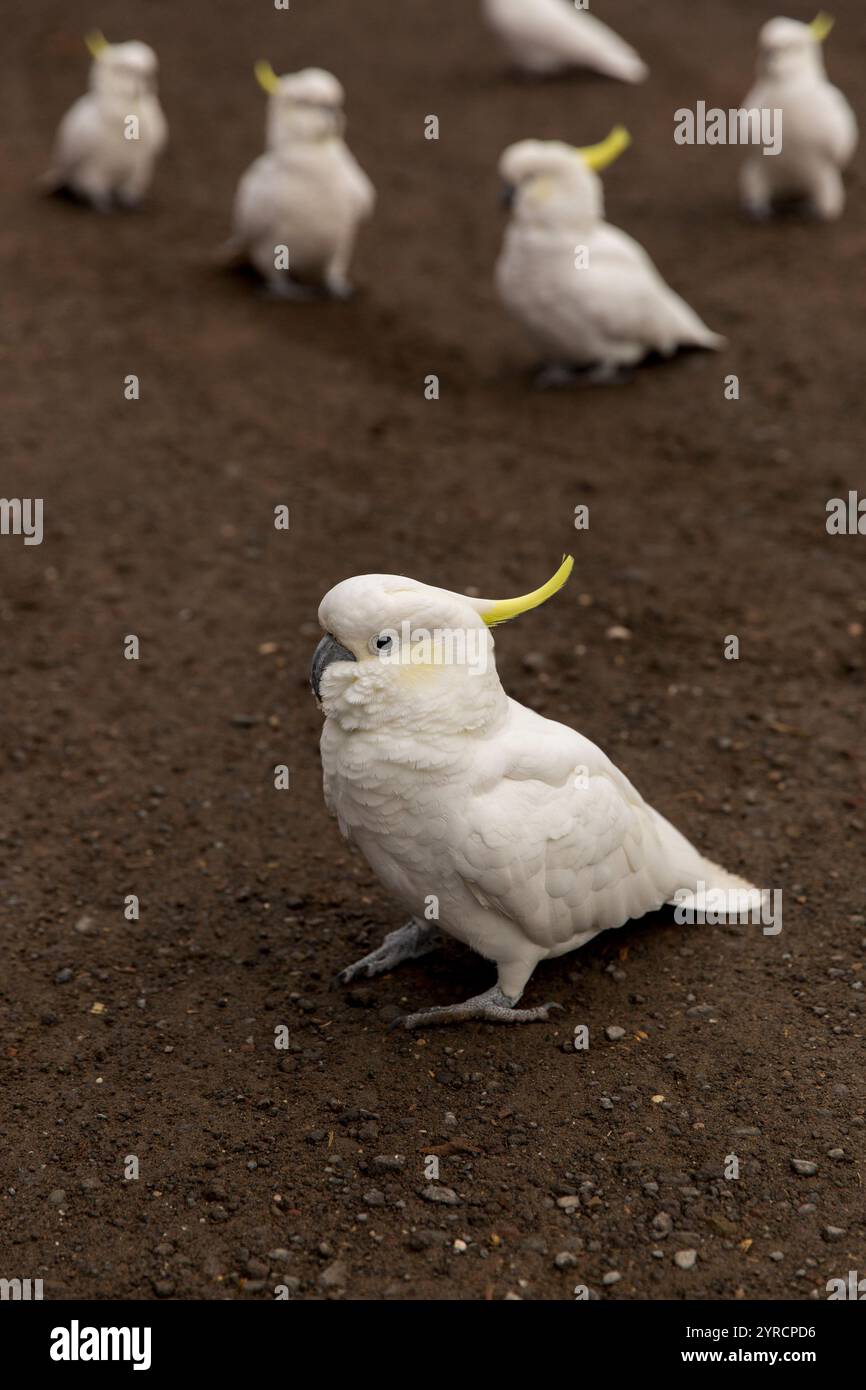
{"points": [[500, 610], [266, 77], [821, 26], [598, 157], [96, 42]]}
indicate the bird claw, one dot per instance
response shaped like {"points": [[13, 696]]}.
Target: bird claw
{"points": [[609, 374], [758, 209], [558, 375], [493, 1006], [367, 967], [340, 290], [413, 940], [554, 376], [376, 963], [288, 291]]}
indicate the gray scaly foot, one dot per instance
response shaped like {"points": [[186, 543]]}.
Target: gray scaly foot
{"points": [[554, 376], [413, 940], [492, 1005]]}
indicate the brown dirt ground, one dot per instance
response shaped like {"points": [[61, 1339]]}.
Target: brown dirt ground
{"points": [[155, 778]]}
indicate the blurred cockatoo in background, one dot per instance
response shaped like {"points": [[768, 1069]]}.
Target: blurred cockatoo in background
{"points": [[588, 295], [550, 36], [108, 142], [819, 129], [304, 199], [524, 834]]}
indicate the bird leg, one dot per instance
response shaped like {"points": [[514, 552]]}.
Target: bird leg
{"points": [[828, 195], [337, 283], [609, 374], [92, 188], [554, 376], [492, 1005], [755, 193], [415, 939], [100, 200], [338, 287], [281, 286], [131, 193]]}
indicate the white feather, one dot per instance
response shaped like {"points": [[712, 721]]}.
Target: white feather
{"points": [[547, 36]]}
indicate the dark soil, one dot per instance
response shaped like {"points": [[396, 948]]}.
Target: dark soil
{"points": [[155, 1038]]}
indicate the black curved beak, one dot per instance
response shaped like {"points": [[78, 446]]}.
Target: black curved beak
{"points": [[506, 195], [327, 651]]}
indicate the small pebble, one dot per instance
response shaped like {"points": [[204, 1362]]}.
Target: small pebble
{"points": [[334, 1277], [389, 1163], [662, 1224], [446, 1195]]}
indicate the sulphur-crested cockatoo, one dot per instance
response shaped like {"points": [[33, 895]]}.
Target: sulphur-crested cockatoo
{"points": [[109, 141], [299, 205], [587, 294], [515, 833], [819, 129], [549, 36]]}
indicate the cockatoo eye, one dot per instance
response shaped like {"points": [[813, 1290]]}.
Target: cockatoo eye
{"points": [[383, 642]]}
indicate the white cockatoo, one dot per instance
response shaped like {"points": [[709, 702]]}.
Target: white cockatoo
{"points": [[819, 129], [299, 205], [550, 36], [109, 140], [523, 836], [587, 293]]}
